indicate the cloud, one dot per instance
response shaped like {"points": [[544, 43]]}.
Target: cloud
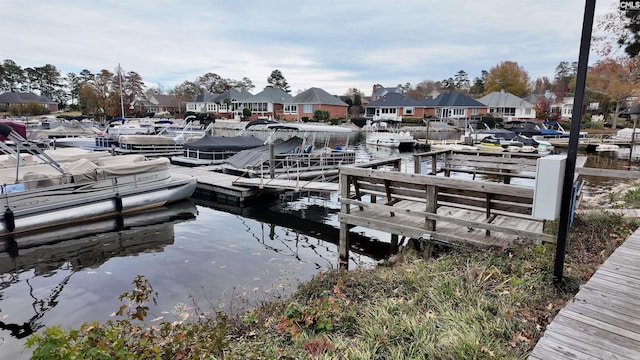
{"points": [[330, 44]]}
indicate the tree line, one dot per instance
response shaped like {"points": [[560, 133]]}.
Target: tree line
{"points": [[610, 82], [102, 93]]}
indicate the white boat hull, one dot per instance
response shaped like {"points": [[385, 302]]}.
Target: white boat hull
{"points": [[67, 204]]}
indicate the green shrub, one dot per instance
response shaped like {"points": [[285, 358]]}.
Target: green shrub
{"points": [[321, 115]]}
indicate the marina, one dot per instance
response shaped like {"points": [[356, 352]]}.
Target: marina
{"points": [[247, 236]]}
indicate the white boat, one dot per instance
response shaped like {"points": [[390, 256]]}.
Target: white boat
{"points": [[607, 147], [165, 141], [387, 133], [401, 140], [48, 193]]}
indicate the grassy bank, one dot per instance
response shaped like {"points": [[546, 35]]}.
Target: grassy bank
{"points": [[459, 304]]}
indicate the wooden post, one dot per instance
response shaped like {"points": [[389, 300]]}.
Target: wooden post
{"points": [[431, 200], [434, 167], [416, 164], [343, 247], [272, 161], [394, 243]]}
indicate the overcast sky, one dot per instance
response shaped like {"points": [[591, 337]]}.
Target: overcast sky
{"points": [[331, 44]]}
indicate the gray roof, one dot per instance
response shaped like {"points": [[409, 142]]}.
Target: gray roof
{"points": [[394, 99], [241, 96], [22, 98], [317, 96], [273, 96], [166, 100], [381, 91], [499, 99], [452, 99]]}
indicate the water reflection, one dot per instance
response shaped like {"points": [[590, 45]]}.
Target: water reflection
{"points": [[36, 267]]}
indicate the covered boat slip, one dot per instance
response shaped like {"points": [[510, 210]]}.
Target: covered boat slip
{"points": [[290, 158], [210, 150], [435, 209], [151, 145]]}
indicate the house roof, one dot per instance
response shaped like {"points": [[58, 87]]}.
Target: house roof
{"points": [[273, 95], [165, 100], [500, 99], [381, 91], [241, 95], [317, 96], [394, 99], [452, 99], [23, 97]]}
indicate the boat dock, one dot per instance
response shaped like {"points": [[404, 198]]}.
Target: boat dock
{"points": [[602, 321], [218, 186]]}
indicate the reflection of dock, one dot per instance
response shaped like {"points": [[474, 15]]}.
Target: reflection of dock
{"points": [[73, 248], [90, 244], [314, 227]]}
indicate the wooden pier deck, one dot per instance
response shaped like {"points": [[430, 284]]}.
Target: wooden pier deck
{"points": [[603, 320], [217, 184]]}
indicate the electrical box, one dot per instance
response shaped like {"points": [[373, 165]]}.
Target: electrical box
{"points": [[547, 194]]}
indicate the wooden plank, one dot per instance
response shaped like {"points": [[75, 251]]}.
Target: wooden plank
{"points": [[402, 215], [610, 173], [597, 333], [556, 346], [599, 284], [618, 317], [565, 347], [423, 180], [604, 299], [287, 184]]}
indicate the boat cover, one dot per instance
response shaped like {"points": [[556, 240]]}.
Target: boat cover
{"points": [[146, 140], [256, 156], [224, 143], [73, 153], [84, 170]]}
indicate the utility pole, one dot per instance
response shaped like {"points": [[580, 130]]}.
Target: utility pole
{"points": [[572, 151]]}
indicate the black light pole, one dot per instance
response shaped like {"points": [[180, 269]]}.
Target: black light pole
{"points": [[567, 188]]}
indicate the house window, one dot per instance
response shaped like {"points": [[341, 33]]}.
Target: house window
{"points": [[290, 109], [527, 111], [458, 112], [388, 110], [211, 107], [509, 112], [408, 111], [475, 111], [307, 108]]}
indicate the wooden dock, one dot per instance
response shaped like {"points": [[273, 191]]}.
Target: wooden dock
{"points": [[212, 184], [603, 320]]}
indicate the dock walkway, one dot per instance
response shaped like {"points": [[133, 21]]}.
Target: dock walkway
{"points": [[219, 185], [603, 320]]}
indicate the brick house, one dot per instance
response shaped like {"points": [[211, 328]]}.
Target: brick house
{"points": [[14, 98]]}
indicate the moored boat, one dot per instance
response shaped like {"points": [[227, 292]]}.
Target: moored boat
{"points": [[49, 193]]}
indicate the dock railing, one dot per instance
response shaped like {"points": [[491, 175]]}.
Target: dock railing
{"points": [[505, 165], [436, 209]]}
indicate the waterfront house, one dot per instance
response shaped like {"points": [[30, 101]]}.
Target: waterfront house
{"points": [[228, 104], [447, 105], [159, 103], [379, 91], [454, 105], [508, 106], [8, 99], [270, 103], [393, 106], [307, 102]]}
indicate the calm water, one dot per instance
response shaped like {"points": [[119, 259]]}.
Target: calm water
{"points": [[215, 254]]}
